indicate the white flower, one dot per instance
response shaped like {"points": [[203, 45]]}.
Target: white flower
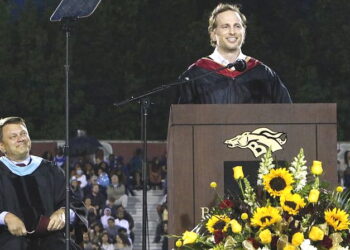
{"points": [[306, 245], [265, 166], [264, 248], [299, 170]]}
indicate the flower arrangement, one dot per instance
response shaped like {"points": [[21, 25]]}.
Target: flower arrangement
{"points": [[289, 209]]}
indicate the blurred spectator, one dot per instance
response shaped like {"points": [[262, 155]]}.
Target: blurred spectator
{"points": [[47, 155], [103, 165], [124, 171], [165, 228], [95, 233], [92, 215], [136, 167], [122, 241], [97, 198], [59, 158], [112, 163], [102, 178], [110, 204], [90, 182], [116, 190], [112, 229], [155, 178], [347, 177], [107, 214], [347, 170], [87, 244], [99, 156], [105, 244], [77, 192], [163, 219], [81, 177], [88, 169], [96, 246], [125, 220]]}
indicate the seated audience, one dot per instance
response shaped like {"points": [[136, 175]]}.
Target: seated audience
{"points": [[116, 190]]}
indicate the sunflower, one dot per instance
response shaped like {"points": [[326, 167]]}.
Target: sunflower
{"points": [[292, 203], [265, 216], [278, 181], [337, 218], [217, 222]]}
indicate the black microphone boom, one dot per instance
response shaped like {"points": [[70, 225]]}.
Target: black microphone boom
{"points": [[240, 65]]}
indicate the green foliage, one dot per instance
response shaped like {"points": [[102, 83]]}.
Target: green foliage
{"points": [[128, 47]]}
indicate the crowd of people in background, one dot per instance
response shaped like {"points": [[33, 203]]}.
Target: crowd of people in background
{"points": [[104, 187]]}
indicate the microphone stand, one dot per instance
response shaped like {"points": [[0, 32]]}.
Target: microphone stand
{"points": [[170, 85], [144, 100]]}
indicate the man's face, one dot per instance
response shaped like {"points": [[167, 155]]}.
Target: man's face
{"points": [[111, 223], [85, 237], [120, 213], [15, 142], [115, 180], [95, 189], [229, 33]]}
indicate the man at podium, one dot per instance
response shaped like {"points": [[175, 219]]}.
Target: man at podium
{"points": [[252, 82]]}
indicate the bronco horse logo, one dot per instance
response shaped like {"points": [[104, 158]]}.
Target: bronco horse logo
{"points": [[258, 141]]}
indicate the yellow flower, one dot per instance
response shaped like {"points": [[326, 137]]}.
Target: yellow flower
{"points": [[316, 168], [238, 172], [339, 189], [265, 216], [337, 218], [189, 237], [217, 222], [213, 184], [265, 236], [178, 243], [297, 239], [235, 226], [313, 195], [278, 181], [289, 247], [292, 203], [316, 234], [244, 216]]}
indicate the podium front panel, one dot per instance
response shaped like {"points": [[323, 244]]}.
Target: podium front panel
{"points": [[197, 152]]}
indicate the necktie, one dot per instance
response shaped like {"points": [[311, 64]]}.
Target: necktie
{"points": [[21, 165]]}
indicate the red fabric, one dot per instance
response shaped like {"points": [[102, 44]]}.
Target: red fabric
{"points": [[21, 165], [42, 225], [209, 64]]}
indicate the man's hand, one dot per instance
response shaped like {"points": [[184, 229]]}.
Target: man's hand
{"points": [[15, 225], [57, 220]]}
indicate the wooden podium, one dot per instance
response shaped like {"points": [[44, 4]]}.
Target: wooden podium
{"points": [[198, 155]]}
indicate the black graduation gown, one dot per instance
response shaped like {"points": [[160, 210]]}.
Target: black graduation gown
{"points": [[257, 84], [28, 197]]}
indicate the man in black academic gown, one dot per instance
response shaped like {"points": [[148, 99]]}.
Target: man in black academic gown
{"points": [[256, 84], [31, 190]]}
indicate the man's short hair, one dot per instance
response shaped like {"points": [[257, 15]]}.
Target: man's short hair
{"points": [[10, 120], [222, 7]]}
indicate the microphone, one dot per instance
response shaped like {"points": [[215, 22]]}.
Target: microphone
{"points": [[240, 65]]}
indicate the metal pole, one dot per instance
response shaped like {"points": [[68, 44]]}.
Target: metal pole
{"points": [[66, 27], [145, 103]]}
